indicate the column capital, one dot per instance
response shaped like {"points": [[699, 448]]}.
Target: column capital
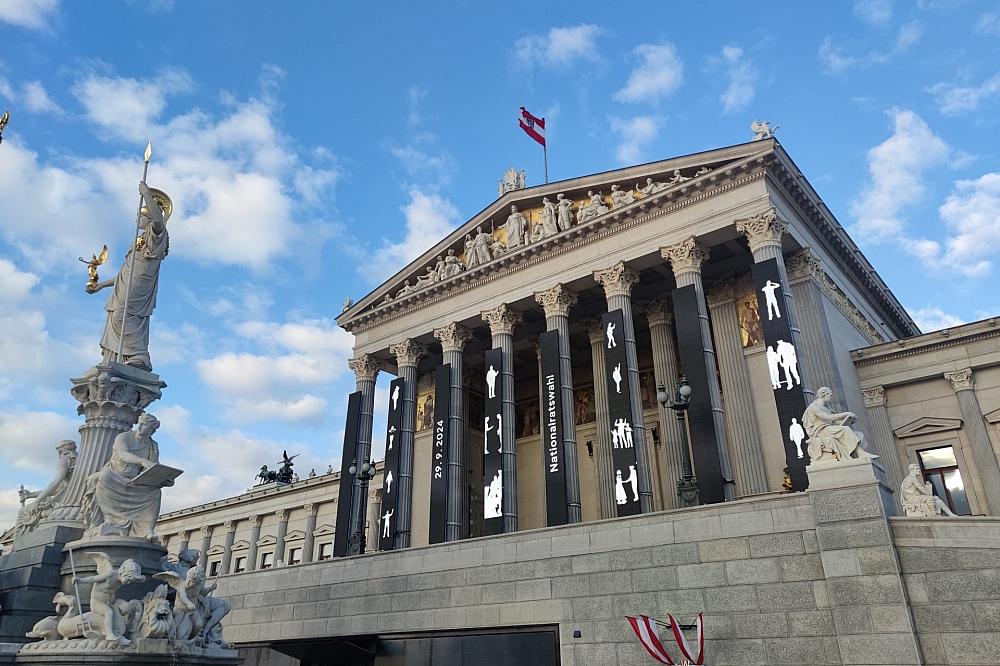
{"points": [[686, 256], [804, 264], [282, 514], [501, 319], [255, 520], [720, 292], [556, 301], [763, 229], [659, 311], [961, 380], [408, 352], [595, 331], [453, 336], [230, 525], [206, 530], [365, 367], [874, 396], [617, 280], [311, 509]]}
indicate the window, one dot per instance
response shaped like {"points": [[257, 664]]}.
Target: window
{"points": [[241, 564], [326, 551], [294, 555], [267, 560], [213, 568], [941, 470]]}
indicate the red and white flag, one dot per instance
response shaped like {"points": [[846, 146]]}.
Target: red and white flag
{"points": [[532, 126], [645, 630]]}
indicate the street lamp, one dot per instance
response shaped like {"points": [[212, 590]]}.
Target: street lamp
{"points": [[687, 485], [356, 545]]}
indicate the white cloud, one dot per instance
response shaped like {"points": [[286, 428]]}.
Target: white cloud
{"points": [[742, 78], [37, 100], [874, 12], [10, 503], [424, 161], [559, 47], [14, 285], [128, 107], [988, 24], [933, 318], [659, 73], [28, 439], [953, 100], [415, 96], [972, 214], [836, 58], [429, 217], [33, 14], [634, 136]]}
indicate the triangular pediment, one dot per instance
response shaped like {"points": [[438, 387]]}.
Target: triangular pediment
{"points": [[268, 540], [295, 535], [992, 417], [241, 545], [638, 189], [324, 530], [927, 425], [216, 550]]}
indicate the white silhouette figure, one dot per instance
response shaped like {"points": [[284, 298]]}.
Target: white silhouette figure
{"points": [[491, 381], [611, 335], [789, 362], [620, 495], [499, 434], [392, 436], [772, 367], [388, 482], [385, 523], [486, 437], [617, 376], [493, 498], [634, 480], [772, 301], [797, 434], [621, 435], [395, 395]]}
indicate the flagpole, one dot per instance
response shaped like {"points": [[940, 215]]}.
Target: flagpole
{"points": [[545, 156]]}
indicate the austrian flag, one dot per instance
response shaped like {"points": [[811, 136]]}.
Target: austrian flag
{"points": [[532, 126]]}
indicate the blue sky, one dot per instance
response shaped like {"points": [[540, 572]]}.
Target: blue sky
{"points": [[313, 149]]}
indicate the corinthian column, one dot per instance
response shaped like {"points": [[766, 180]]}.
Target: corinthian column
{"points": [[502, 319], [764, 232], [743, 434], [408, 354], [686, 259], [206, 543], [366, 368], [618, 282], [972, 421], [254, 538], [882, 438], [605, 468], [279, 547], [453, 339], [557, 302], [310, 544], [227, 554], [805, 274]]}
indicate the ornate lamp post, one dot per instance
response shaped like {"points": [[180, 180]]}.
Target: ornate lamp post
{"points": [[362, 477], [687, 485]]}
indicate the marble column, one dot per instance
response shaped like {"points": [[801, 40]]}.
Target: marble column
{"points": [[883, 440], [408, 354], [227, 554], [805, 273], [453, 339], [279, 546], [974, 425], [618, 281], [206, 543], [743, 434], [764, 232], [502, 319], [185, 540], [310, 543], [602, 454], [366, 368], [686, 259], [254, 537], [557, 302], [659, 315]]}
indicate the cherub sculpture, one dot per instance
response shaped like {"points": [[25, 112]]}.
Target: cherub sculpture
{"points": [[109, 617], [206, 628]]}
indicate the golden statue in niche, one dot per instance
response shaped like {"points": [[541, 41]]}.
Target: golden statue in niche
{"points": [[751, 332]]}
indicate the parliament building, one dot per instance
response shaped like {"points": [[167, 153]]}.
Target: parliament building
{"points": [[596, 412]]}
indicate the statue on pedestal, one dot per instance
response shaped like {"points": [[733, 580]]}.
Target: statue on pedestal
{"points": [[31, 513], [830, 436], [917, 498], [517, 228]]}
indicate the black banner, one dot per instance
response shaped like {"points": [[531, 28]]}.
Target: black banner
{"points": [[704, 439], [345, 495], [556, 503], [439, 454], [492, 445], [390, 470], [620, 415], [783, 368]]}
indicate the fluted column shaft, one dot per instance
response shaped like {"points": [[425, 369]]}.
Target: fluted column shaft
{"points": [[605, 469], [310, 542], [804, 271], [973, 423], [618, 282], [502, 320], [279, 546], [743, 437], [254, 537], [883, 440], [206, 543], [408, 354], [557, 303], [686, 259], [453, 338], [366, 369], [674, 440], [185, 540], [227, 554]]}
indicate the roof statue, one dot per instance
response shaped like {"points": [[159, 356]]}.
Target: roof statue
{"points": [[762, 130], [512, 180]]}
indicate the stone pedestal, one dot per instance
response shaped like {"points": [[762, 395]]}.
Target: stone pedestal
{"points": [[119, 549], [849, 473], [100, 653]]}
